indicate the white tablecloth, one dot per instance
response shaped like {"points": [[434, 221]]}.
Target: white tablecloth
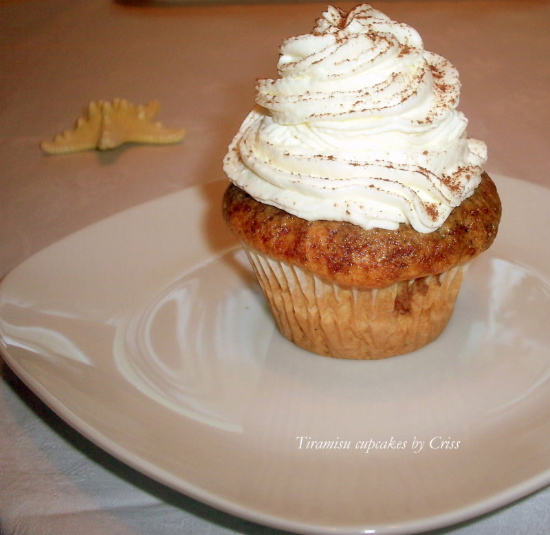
{"points": [[200, 61]]}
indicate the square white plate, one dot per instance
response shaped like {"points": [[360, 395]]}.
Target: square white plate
{"points": [[148, 334]]}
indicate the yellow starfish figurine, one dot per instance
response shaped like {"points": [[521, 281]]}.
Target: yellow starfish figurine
{"points": [[110, 124]]}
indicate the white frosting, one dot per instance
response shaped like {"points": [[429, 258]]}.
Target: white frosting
{"points": [[361, 126]]}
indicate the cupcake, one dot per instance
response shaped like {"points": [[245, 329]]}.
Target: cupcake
{"points": [[355, 190]]}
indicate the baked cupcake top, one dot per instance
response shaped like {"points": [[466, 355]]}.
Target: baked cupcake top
{"points": [[360, 127], [352, 256]]}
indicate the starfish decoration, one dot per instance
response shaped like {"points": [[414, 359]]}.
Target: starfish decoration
{"points": [[110, 124]]}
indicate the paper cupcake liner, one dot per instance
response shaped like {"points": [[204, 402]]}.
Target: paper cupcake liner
{"points": [[356, 323]]}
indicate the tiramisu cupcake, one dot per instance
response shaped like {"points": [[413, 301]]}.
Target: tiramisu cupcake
{"points": [[355, 190]]}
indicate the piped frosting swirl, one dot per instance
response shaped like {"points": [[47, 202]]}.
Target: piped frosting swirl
{"points": [[361, 126]]}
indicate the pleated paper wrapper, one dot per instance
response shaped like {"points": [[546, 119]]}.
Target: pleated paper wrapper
{"points": [[356, 323]]}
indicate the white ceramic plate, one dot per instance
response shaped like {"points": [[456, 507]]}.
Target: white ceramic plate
{"points": [[147, 333]]}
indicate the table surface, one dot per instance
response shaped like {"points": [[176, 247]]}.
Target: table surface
{"points": [[200, 60]]}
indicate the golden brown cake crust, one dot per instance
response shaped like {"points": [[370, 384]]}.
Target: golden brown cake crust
{"points": [[349, 255]]}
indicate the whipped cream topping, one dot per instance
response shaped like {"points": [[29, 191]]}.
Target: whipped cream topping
{"points": [[361, 126]]}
